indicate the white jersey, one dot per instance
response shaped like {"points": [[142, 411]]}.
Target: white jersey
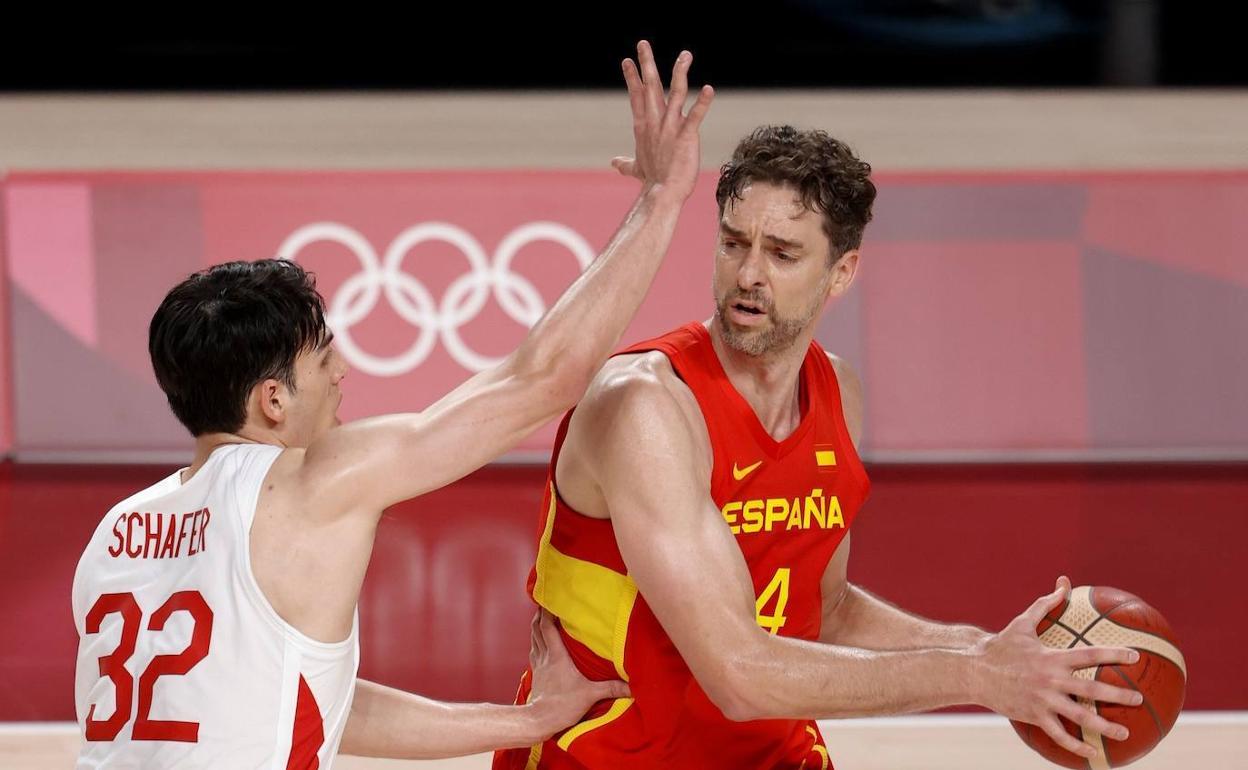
{"points": [[182, 662]]}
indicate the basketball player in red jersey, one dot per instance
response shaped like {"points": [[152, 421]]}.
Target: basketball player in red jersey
{"points": [[696, 528], [216, 610]]}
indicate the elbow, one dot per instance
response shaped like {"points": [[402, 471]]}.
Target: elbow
{"points": [[738, 709], [732, 693], [563, 377], [570, 384], [735, 676]]}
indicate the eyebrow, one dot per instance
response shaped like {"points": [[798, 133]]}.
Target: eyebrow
{"points": [[783, 243], [325, 343]]}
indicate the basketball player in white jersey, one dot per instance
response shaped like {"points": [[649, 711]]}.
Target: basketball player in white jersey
{"points": [[217, 609]]}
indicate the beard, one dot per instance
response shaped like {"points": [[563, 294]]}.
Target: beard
{"points": [[774, 337]]}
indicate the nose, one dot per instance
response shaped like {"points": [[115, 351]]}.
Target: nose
{"points": [[340, 368], [751, 272]]}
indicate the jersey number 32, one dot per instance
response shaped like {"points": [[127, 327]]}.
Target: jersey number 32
{"points": [[113, 666]]}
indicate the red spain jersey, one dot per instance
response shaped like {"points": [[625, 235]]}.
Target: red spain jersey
{"points": [[788, 503]]}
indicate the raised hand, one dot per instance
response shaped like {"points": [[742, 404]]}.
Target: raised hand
{"points": [[667, 145], [1024, 680]]}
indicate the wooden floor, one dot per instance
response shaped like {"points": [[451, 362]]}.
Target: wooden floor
{"points": [[1200, 741]]}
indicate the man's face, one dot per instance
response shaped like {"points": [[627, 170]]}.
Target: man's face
{"points": [[312, 409], [772, 269]]}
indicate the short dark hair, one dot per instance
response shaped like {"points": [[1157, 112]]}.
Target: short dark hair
{"points": [[830, 179], [225, 329]]}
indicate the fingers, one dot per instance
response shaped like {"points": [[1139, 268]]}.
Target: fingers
{"points": [[650, 78], [552, 643], [1053, 727], [1045, 604], [1105, 693], [626, 166], [636, 92], [679, 88], [537, 643], [534, 642], [1087, 657], [1087, 717], [611, 689], [699, 109]]}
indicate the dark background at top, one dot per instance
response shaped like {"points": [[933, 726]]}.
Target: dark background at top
{"points": [[467, 45]]}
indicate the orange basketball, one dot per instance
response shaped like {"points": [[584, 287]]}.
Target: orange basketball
{"points": [[1102, 616]]}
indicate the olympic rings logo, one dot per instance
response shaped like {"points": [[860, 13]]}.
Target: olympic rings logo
{"points": [[412, 301]]}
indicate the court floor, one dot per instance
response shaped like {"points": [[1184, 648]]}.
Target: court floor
{"points": [[1200, 741]]}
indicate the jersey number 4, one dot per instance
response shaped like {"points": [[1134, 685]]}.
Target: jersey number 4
{"points": [[778, 589], [114, 666]]}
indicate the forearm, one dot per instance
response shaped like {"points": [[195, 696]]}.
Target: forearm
{"points": [[385, 722], [798, 679], [864, 620], [368, 465], [586, 324]]}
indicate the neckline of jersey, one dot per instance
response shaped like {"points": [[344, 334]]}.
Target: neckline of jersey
{"points": [[745, 412]]}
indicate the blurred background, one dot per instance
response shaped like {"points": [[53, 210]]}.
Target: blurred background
{"points": [[785, 43], [1051, 320]]}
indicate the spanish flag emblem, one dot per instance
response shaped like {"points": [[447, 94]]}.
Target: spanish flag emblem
{"points": [[825, 457]]}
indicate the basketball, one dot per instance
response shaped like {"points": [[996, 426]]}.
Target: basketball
{"points": [[1099, 615]]}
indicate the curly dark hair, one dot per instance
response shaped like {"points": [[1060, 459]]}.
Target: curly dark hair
{"points": [[827, 175], [224, 329]]}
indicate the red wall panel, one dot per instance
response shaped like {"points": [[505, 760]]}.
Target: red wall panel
{"points": [[444, 612]]}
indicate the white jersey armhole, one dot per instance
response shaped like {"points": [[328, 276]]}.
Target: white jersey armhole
{"points": [[257, 461]]}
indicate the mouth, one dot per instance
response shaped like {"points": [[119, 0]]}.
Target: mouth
{"points": [[746, 313]]}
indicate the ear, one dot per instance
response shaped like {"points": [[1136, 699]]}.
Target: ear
{"points": [[270, 397], [843, 273]]}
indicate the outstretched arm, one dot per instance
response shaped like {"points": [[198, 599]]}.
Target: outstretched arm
{"points": [[370, 464], [385, 722]]}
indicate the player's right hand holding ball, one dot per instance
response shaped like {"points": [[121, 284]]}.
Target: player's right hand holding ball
{"points": [[1020, 678]]}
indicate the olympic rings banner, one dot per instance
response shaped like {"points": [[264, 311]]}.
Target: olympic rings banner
{"points": [[1080, 316], [5, 407]]}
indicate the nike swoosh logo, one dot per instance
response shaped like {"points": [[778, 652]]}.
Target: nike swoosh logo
{"points": [[740, 473]]}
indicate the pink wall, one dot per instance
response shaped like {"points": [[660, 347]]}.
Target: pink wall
{"points": [[6, 420], [1084, 315]]}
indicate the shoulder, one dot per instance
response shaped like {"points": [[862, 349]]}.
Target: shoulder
{"points": [[851, 394], [846, 376], [640, 396], [637, 381]]}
